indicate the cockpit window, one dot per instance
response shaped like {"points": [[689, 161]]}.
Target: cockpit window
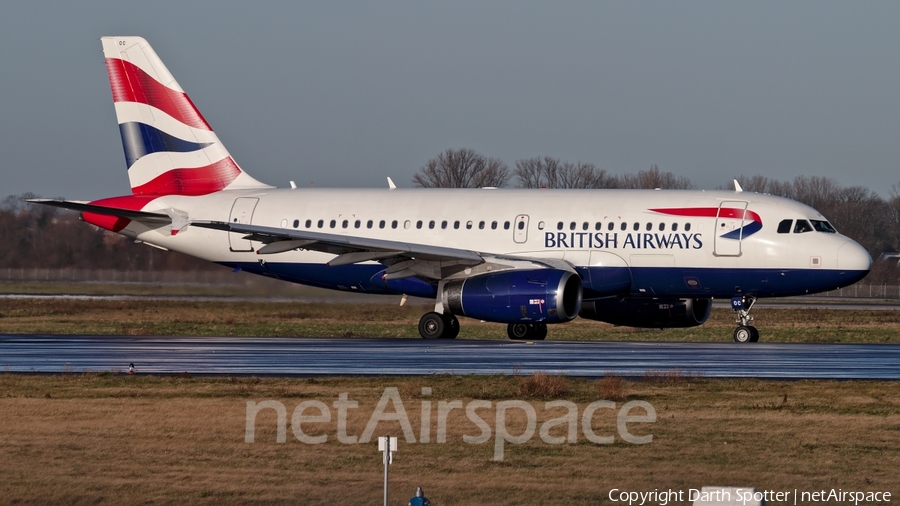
{"points": [[823, 226], [785, 226], [802, 226]]}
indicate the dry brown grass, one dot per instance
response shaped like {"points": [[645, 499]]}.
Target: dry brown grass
{"points": [[225, 318], [612, 388], [105, 438], [543, 386]]}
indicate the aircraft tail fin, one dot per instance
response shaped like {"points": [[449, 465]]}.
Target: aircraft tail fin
{"points": [[170, 149]]}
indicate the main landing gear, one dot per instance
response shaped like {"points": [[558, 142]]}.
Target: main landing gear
{"points": [[527, 331], [436, 325], [745, 333]]}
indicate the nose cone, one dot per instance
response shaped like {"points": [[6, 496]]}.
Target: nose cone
{"points": [[853, 257]]}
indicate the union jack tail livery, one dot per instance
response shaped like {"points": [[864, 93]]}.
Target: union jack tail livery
{"points": [[170, 149]]}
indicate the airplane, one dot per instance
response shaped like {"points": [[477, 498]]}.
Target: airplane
{"points": [[524, 257]]}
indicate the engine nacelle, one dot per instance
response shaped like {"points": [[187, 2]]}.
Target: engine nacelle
{"points": [[540, 295], [649, 313]]}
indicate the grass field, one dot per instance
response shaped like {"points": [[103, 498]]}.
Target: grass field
{"points": [[104, 438], [101, 438], [316, 319]]}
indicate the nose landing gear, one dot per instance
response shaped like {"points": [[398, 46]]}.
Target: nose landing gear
{"points": [[745, 333]]}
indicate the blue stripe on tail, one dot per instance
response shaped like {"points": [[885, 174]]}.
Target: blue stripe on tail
{"points": [[139, 140]]}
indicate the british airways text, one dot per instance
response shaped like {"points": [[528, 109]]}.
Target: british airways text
{"points": [[592, 240]]}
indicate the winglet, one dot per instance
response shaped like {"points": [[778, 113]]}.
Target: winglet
{"points": [[737, 186], [391, 184]]}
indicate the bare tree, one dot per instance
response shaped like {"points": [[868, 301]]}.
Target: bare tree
{"points": [[652, 179], [549, 172], [462, 168]]}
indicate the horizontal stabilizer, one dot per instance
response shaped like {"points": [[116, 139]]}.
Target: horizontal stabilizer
{"points": [[84, 207]]}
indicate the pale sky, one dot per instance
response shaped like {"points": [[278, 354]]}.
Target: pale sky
{"points": [[346, 93]]}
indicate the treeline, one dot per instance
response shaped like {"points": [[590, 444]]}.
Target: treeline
{"points": [[36, 236], [855, 211]]}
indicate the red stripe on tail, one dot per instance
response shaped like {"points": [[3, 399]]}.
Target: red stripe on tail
{"points": [[131, 84], [198, 181]]}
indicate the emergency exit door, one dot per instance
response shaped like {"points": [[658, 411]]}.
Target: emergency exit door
{"points": [[729, 228], [241, 212]]}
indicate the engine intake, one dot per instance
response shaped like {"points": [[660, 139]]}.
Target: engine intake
{"points": [[540, 295], [649, 313]]}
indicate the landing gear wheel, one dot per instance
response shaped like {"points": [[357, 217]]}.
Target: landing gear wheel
{"points": [[519, 331], [754, 334], [743, 334], [527, 331], [451, 329], [433, 326]]}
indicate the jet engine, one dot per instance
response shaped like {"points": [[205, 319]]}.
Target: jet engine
{"points": [[538, 295], [648, 313]]}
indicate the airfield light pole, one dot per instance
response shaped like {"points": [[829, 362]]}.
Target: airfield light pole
{"points": [[387, 445]]}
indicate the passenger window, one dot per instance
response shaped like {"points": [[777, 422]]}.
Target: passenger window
{"points": [[662, 227], [687, 227], [444, 224], [784, 227], [431, 224], [649, 226], [802, 226], [540, 225], [345, 223], [505, 225], [456, 224], [356, 224], [624, 226], [611, 226], [419, 224], [637, 226], [674, 227], [321, 223], [522, 225], [296, 223], [333, 223], [480, 225], [584, 226], [493, 225], [394, 224], [369, 224], [559, 226], [469, 225], [308, 223], [823, 226], [381, 224], [572, 226], [598, 226]]}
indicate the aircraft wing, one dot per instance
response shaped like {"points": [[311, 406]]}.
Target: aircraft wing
{"points": [[278, 240], [405, 259], [85, 207]]}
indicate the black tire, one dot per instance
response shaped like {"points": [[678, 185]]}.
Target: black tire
{"points": [[743, 334], [519, 331], [754, 335], [452, 326], [540, 331], [432, 326]]}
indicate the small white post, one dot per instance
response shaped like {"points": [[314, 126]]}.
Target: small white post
{"points": [[387, 445]]}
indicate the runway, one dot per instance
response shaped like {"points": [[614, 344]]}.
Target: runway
{"points": [[311, 356]]}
